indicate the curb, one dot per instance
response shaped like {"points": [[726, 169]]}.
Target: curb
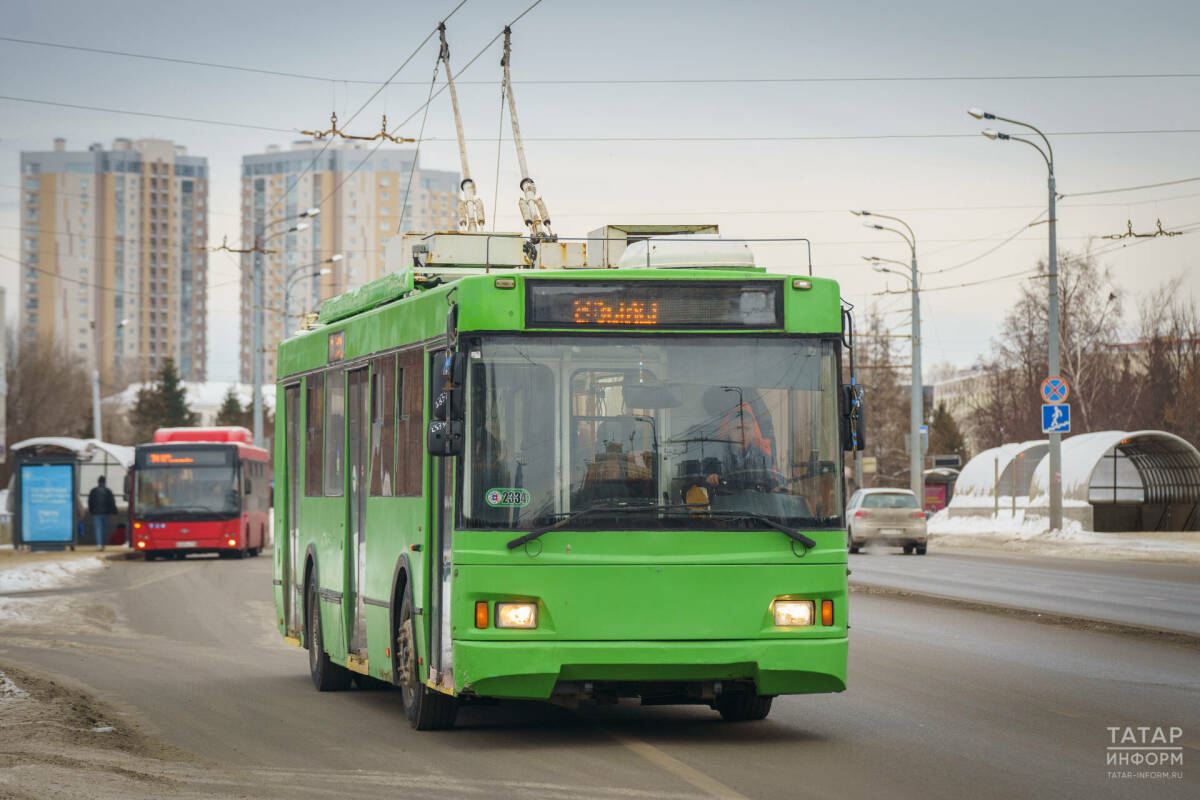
{"points": [[1091, 624]]}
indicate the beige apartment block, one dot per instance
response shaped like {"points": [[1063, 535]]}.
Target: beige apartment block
{"points": [[113, 268], [360, 192]]}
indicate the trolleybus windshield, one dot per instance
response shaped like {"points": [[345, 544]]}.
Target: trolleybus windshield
{"points": [[665, 428], [186, 483]]}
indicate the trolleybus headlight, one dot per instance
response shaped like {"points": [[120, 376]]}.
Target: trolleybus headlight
{"points": [[793, 613], [516, 615]]}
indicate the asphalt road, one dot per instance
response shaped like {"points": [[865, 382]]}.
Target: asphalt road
{"points": [[1162, 596], [942, 702]]}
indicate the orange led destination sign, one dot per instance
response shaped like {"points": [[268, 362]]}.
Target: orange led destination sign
{"points": [[643, 304], [170, 458], [619, 312]]}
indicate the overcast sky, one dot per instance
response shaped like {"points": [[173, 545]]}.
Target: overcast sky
{"points": [[960, 192]]}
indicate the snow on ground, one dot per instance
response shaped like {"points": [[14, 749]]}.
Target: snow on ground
{"points": [[9, 690], [1029, 532], [46, 574]]}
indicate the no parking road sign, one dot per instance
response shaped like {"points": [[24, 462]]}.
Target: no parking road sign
{"points": [[1055, 390]]}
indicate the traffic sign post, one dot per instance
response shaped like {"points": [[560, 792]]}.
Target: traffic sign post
{"points": [[1056, 418]]}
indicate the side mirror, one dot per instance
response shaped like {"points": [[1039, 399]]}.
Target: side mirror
{"points": [[853, 417], [444, 437], [448, 403]]}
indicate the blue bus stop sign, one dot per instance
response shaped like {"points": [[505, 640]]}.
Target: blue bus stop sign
{"points": [[1056, 418]]}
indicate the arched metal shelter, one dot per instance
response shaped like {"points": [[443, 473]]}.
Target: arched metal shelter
{"points": [[1126, 481], [999, 472]]}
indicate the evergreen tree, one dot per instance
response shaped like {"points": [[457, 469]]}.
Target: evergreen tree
{"points": [[163, 404], [945, 437], [231, 412]]}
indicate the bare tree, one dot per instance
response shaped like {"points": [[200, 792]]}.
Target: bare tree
{"points": [[886, 403], [48, 395]]}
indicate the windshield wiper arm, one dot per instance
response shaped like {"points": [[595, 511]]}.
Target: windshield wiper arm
{"points": [[622, 508], [791, 533]]}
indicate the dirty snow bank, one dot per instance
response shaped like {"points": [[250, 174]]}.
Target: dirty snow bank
{"points": [[1029, 532], [46, 574]]}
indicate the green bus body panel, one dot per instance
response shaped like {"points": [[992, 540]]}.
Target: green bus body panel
{"points": [[618, 605], [648, 601]]}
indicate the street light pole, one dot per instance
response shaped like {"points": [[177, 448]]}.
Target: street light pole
{"points": [[97, 431], [916, 410], [295, 275], [1055, 450]]}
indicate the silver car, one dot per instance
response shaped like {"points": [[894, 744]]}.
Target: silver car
{"points": [[885, 516]]}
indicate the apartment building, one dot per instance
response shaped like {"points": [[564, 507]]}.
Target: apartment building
{"points": [[112, 262], [359, 191]]}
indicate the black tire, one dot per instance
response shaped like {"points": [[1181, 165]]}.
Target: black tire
{"points": [[426, 709], [326, 675], [851, 547], [744, 706], [921, 549], [908, 548]]}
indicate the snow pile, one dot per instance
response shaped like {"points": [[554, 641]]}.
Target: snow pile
{"points": [[9, 690], [1027, 531], [46, 574]]}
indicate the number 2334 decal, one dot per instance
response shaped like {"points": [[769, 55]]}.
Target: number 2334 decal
{"points": [[507, 498]]}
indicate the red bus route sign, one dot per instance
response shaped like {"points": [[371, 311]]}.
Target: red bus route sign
{"points": [[1055, 389]]}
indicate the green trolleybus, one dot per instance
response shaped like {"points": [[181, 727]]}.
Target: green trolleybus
{"points": [[568, 485]]}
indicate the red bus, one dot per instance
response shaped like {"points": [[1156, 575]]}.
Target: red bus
{"points": [[200, 490]]}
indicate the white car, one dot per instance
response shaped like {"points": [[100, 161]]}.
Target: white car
{"points": [[886, 516]]}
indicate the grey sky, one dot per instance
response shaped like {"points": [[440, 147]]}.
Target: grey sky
{"points": [[961, 195]]}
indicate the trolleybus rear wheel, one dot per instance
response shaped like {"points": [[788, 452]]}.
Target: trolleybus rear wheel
{"points": [[427, 709], [326, 675]]}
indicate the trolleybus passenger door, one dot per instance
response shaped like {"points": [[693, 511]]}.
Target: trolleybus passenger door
{"points": [[358, 413], [292, 602], [441, 517]]}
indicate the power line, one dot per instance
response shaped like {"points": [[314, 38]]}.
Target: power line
{"points": [[625, 81], [292, 184], [224, 123], [1132, 188]]}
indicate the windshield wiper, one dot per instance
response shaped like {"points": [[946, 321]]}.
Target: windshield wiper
{"points": [[698, 510]]}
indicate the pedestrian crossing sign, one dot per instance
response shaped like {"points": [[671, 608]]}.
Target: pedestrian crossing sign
{"points": [[1056, 418]]}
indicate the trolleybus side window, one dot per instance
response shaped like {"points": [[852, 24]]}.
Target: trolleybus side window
{"points": [[410, 425], [314, 434], [335, 432], [383, 427]]}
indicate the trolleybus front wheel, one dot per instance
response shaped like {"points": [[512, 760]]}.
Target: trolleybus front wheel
{"points": [[743, 706], [427, 709], [326, 675]]}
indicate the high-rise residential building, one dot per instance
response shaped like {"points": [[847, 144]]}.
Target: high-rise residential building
{"points": [[359, 191], [112, 262]]}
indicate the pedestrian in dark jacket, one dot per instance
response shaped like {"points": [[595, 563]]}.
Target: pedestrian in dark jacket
{"points": [[100, 505]]}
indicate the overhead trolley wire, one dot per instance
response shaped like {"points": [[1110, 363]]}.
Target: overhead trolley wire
{"points": [[624, 81]]}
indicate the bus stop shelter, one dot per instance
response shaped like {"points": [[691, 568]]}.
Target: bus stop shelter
{"points": [[51, 479]]}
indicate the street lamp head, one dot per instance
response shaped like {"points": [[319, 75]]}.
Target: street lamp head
{"points": [[336, 257], [979, 113], [872, 225], [992, 133], [325, 271], [303, 226], [123, 323], [312, 212], [880, 268], [860, 212]]}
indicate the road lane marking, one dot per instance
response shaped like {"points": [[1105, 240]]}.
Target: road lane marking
{"points": [[156, 578], [703, 782]]}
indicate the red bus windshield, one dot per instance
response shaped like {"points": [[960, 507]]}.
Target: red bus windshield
{"points": [[186, 483]]}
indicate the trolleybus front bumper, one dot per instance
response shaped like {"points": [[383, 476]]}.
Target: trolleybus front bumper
{"points": [[532, 669]]}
